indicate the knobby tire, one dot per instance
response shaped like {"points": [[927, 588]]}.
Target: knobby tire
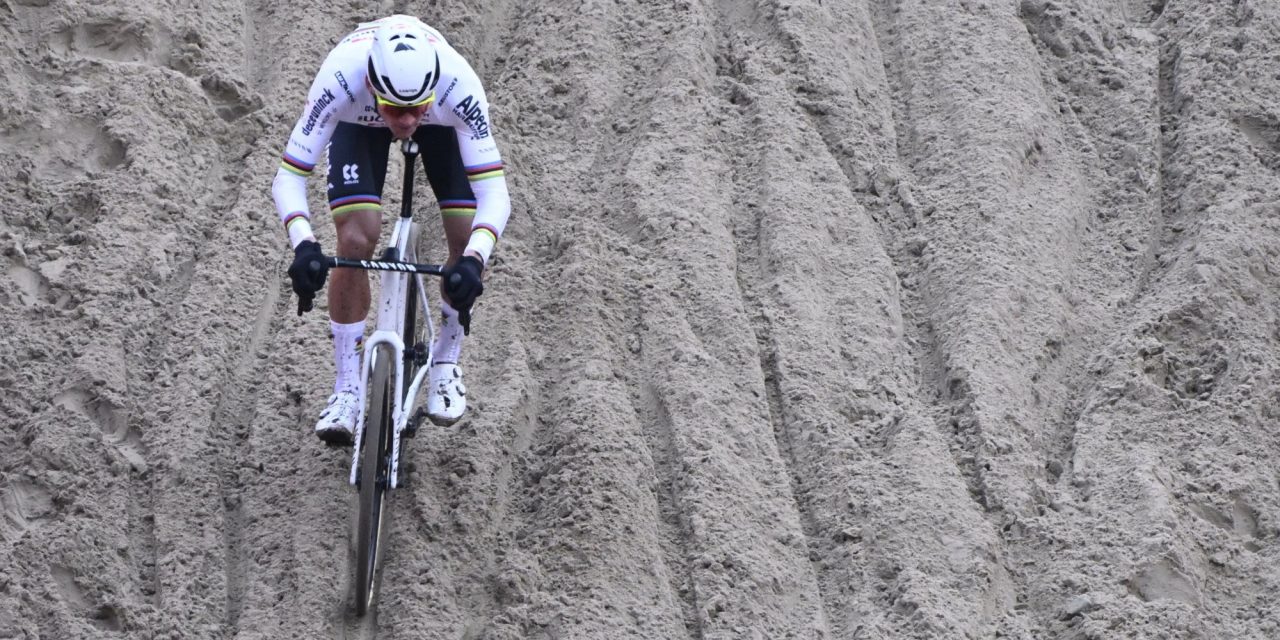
{"points": [[410, 335], [375, 463]]}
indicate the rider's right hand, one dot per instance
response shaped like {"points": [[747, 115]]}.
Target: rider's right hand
{"points": [[307, 272]]}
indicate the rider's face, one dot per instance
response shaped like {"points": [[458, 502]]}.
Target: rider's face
{"points": [[402, 121]]}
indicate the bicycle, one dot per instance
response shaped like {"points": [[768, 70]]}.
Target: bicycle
{"points": [[394, 359]]}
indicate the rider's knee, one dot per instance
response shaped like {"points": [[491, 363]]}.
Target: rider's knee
{"points": [[357, 240]]}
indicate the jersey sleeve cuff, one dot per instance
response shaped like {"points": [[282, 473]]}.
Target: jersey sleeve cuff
{"points": [[298, 224], [482, 241]]}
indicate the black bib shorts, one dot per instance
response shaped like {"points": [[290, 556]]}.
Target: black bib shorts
{"points": [[358, 168]]}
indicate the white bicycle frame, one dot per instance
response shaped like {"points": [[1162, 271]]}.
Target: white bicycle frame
{"points": [[391, 308]]}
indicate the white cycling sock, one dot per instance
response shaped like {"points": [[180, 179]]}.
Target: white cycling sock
{"points": [[348, 341], [448, 345]]}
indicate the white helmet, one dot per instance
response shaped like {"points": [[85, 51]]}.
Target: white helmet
{"points": [[403, 65]]}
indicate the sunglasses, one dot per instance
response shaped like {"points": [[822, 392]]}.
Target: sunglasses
{"points": [[431, 97]]}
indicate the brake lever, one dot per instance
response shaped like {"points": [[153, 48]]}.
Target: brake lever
{"points": [[304, 305], [464, 319]]}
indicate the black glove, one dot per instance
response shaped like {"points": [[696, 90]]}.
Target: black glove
{"points": [[463, 285], [307, 272]]}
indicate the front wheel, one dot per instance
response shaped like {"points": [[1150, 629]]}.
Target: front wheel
{"points": [[411, 334], [416, 347], [375, 466]]}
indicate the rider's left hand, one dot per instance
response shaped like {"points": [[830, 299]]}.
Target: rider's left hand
{"points": [[463, 284]]}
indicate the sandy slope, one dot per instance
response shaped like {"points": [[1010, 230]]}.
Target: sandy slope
{"points": [[815, 319]]}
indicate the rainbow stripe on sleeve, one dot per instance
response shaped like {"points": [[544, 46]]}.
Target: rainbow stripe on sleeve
{"points": [[484, 228], [296, 166], [294, 217], [484, 171]]}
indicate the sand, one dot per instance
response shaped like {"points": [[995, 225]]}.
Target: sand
{"points": [[814, 319]]}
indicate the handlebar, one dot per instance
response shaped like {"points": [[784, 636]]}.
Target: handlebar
{"points": [[333, 262], [379, 265]]}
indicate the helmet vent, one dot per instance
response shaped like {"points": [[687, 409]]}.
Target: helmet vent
{"points": [[404, 47]]}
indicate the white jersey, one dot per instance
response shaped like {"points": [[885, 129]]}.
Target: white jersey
{"points": [[339, 93]]}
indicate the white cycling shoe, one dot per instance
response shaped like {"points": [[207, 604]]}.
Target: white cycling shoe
{"points": [[446, 396], [337, 423]]}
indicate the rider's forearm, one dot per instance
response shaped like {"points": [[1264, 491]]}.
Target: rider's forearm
{"points": [[289, 189], [493, 207]]}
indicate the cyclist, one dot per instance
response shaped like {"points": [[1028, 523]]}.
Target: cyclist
{"points": [[393, 78]]}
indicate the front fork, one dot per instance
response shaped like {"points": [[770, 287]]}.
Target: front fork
{"points": [[379, 338], [390, 328]]}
